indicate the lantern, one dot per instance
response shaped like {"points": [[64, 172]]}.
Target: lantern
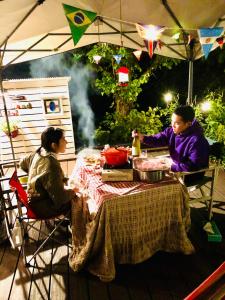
{"points": [[123, 73]]}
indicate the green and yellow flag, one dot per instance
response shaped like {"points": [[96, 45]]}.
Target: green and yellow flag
{"points": [[79, 20]]}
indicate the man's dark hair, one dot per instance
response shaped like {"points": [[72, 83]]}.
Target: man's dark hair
{"points": [[186, 112]]}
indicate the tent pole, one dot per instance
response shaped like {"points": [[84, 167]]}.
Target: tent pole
{"points": [[190, 73], [39, 2], [190, 83], [6, 115]]}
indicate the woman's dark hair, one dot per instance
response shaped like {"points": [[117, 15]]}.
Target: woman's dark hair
{"points": [[186, 112], [49, 136]]}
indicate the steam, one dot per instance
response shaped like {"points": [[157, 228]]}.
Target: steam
{"points": [[80, 76]]}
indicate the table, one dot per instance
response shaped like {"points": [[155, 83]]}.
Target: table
{"points": [[130, 221]]}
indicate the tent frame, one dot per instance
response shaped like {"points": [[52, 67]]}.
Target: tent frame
{"points": [[39, 2], [188, 47]]}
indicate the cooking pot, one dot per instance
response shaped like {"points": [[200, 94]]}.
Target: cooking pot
{"points": [[115, 157], [151, 176], [150, 169]]}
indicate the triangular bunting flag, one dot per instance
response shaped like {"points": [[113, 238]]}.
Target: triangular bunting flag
{"points": [[137, 54], [97, 58], [220, 41], [79, 20], [159, 44], [191, 41], [207, 38], [117, 58], [150, 34], [150, 45]]}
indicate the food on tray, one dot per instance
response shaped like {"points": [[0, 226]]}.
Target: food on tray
{"points": [[150, 164], [91, 159]]}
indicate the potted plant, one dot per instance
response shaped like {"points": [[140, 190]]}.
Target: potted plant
{"points": [[13, 125]]}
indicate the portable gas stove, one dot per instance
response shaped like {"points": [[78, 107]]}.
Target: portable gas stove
{"points": [[117, 173]]}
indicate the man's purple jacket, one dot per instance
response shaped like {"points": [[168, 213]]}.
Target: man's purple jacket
{"points": [[189, 150]]}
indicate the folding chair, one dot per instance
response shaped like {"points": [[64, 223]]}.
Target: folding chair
{"points": [[30, 219], [205, 185]]}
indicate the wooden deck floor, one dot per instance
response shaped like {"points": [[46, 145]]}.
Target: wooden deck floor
{"points": [[164, 276]]}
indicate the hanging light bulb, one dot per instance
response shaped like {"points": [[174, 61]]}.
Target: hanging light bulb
{"points": [[149, 32], [137, 54], [176, 36], [97, 58], [168, 97], [205, 106]]}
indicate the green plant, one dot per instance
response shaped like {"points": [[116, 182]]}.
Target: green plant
{"points": [[13, 126], [124, 97], [116, 129], [213, 121], [167, 111]]}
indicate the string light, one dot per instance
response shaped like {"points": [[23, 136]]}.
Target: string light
{"points": [[149, 32], [176, 36], [206, 106], [168, 97]]}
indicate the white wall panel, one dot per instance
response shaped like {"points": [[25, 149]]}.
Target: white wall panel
{"points": [[33, 121]]}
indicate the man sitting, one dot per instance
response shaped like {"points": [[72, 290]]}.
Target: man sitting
{"points": [[188, 148]]}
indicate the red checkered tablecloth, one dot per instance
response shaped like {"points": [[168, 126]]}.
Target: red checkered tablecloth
{"points": [[132, 221], [88, 178]]}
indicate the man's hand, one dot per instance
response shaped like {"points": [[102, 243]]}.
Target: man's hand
{"points": [[168, 161], [135, 133]]}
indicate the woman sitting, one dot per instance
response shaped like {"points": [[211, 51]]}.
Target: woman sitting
{"points": [[46, 190]]}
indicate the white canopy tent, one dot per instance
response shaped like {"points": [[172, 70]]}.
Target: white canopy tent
{"points": [[32, 29]]}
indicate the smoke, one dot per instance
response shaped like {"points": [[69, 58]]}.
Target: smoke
{"points": [[80, 76]]}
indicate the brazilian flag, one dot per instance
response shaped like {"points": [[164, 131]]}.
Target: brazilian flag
{"points": [[79, 20]]}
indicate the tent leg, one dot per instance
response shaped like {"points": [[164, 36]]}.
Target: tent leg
{"points": [[190, 83], [6, 115]]}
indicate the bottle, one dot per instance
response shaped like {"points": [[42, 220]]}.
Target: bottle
{"points": [[136, 145], [17, 234]]}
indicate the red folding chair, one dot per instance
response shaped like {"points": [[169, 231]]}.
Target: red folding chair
{"points": [[30, 219], [211, 287]]}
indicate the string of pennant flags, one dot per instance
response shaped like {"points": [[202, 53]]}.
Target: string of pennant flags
{"points": [[79, 20]]}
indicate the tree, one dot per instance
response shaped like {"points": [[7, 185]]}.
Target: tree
{"points": [[124, 116], [124, 97]]}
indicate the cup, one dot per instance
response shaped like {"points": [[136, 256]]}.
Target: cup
{"points": [[23, 179], [144, 153]]}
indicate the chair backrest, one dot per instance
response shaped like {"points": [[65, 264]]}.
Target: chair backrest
{"points": [[212, 169], [21, 194], [206, 196]]}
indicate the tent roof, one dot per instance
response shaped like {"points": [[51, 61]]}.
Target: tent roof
{"points": [[45, 29]]}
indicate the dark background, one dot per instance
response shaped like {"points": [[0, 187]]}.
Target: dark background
{"points": [[209, 75]]}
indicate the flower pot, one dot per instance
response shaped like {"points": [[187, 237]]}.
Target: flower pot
{"points": [[13, 133]]}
